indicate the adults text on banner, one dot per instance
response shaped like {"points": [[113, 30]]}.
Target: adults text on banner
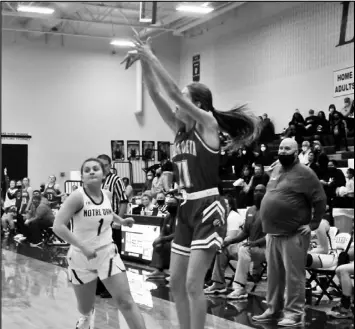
{"points": [[344, 82]]}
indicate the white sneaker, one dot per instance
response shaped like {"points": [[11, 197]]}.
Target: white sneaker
{"points": [[36, 244], [17, 236], [238, 293], [86, 321]]}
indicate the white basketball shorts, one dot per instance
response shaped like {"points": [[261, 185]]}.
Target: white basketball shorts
{"points": [[107, 263]]}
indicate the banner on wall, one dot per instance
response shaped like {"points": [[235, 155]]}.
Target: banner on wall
{"points": [[196, 68], [133, 150], [163, 151], [117, 149], [344, 82], [148, 150]]}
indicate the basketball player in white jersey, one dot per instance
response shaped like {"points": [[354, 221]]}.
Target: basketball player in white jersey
{"points": [[92, 253]]}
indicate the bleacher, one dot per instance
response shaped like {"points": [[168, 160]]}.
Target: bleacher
{"points": [[345, 160]]}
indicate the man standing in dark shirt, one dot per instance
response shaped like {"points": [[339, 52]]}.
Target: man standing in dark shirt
{"points": [[293, 206]]}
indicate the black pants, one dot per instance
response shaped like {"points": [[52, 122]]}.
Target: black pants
{"points": [[117, 238], [34, 229], [21, 227]]}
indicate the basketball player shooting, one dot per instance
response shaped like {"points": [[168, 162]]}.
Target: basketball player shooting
{"points": [[201, 222]]}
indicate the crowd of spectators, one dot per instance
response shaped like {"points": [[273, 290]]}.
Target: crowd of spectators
{"points": [[331, 131], [27, 212]]}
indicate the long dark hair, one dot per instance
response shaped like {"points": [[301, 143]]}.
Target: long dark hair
{"points": [[242, 126], [232, 202]]}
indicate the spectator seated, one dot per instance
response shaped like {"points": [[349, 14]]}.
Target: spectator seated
{"points": [[345, 274], [234, 227], [41, 218], [342, 244], [345, 194], [253, 250], [162, 245], [245, 198], [311, 124]]}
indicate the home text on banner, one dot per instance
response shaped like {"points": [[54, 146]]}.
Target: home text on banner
{"points": [[344, 82]]}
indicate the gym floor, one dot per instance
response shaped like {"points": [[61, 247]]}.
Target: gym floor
{"points": [[36, 294]]}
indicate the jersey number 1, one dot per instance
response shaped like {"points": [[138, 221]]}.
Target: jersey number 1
{"points": [[101, 221], [184, 175]]}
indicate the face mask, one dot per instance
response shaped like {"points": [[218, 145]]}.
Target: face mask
{"points": [[331, 169], [18, 186], [138, 202], [149, 177], [263, 149], [304, 148], [287, 159], [244, 152], [172, 209], [160, 202]]}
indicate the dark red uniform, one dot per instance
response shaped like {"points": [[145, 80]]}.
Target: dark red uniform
{"points": [[50, 193], [201, 221]]}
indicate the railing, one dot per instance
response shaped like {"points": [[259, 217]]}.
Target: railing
{"points": [[123, 169], [68, 185], [133, 168]]}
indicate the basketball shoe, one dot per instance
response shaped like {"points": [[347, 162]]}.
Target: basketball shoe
{"points": [[86, 321]]}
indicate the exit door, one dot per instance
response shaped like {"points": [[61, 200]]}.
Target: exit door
{"points": [[15, 159]]}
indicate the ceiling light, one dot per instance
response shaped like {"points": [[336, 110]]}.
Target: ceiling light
{"points": [[122, 43], [194, 9], [37, 10]]}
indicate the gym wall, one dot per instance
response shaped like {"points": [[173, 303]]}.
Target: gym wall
{"points": [[277, 63], [74, 99]]}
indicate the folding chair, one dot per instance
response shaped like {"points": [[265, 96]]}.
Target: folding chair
{"points": [[230, 278], [342, 244], [260, 276]]}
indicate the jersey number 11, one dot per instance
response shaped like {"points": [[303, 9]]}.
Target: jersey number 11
{"points": [[184, 174]]}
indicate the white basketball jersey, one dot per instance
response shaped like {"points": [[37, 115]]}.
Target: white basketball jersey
{"points": [[92, 224]]}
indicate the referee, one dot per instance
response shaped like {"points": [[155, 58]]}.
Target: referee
{"points": [[114, 184]]}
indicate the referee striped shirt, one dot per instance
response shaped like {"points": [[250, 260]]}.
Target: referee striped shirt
{"points": [[115, 185]]}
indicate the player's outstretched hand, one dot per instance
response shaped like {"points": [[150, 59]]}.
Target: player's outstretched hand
{"points": [[131, 57], [128, 222], [144, 49], [89, 252]]}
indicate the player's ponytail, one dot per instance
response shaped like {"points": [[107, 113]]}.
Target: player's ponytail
{"points": [[242, 126]]}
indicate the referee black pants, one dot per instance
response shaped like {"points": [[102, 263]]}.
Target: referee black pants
{"points": [[117, 237]]}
